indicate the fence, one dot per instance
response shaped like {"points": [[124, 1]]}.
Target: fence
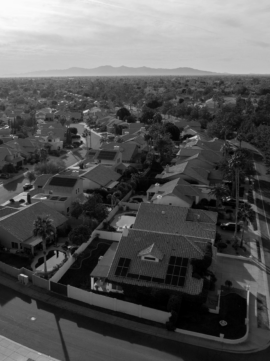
{"points": [[40, 282], [58, 288], [117, 305]]}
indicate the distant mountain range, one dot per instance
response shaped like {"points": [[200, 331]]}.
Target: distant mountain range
{"points": [[108, 70]]}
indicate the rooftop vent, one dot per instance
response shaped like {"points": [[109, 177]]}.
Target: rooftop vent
{"points": [[163, 212]]}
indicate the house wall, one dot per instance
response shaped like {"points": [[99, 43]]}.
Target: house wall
{"points": [[93, 140], [113, 162], [58, 206], [7, 238], [88, 184], [172, 200]]}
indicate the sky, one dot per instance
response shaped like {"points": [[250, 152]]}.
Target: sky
{"points": [[230, 36]]}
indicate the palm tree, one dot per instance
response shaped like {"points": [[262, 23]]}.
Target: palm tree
{"points": [[43, 227], [219, 191], [245, 214]]}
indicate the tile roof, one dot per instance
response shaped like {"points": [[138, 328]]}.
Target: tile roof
{"points": [[5, 211], [168, 245], [101, 175], [175, 220], [185, 169], [20, 223]]}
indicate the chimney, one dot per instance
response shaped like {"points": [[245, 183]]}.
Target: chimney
{"points": [[157, 185], [125, 133], [116, 147], [125, 231], [198, 217], [167, 168]]}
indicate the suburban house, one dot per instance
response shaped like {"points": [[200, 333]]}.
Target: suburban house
{"points": [[214, 145], [9, 156], [109, 157], [193, 175], [60, 191], [177, 192], [183, 221], [198, 160], [94, 139], [16, 226], [99, 176], [209, 155], [156, 260], [28, 147], [129, 151], [53, 134]]}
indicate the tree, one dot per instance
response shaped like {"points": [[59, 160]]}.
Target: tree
{"points": [[219, 191], [73, 130], [51, 167], [43, 154], [80, 234], [235, 164], [122, 113], [173, 130], [30, 175], [245, 214], [94, 208], [44, 228]]}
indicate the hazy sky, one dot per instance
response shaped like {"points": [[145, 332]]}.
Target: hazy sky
{"points": [[216, 35]]}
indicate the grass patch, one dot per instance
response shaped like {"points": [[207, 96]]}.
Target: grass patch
{"points": [[232, 310], [262, 314], [15, 260], [79, 273]]}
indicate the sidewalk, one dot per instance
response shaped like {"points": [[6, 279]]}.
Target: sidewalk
{"points": [[257, 340], [11, 351]]}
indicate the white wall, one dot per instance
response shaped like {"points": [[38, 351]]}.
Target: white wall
{"points": [[118, 305]]}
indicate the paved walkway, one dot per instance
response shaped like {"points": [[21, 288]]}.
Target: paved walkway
{"points": [[12, 351]]}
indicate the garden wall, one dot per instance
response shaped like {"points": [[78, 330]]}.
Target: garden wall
{"points": [[41, 282], [112, 236], [118, 305], [60, 273], [14, 272], [131, 206]]}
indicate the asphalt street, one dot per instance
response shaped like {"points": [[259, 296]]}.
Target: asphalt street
{"points": [[70, 337]]}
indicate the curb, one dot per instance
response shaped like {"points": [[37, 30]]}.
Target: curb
{"points": [[63, 303]]}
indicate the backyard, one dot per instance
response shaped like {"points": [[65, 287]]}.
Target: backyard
{"points": [[16, 261], [79, 273], [232, 310]]}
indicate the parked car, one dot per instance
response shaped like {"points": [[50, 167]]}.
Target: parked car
{"points": [[4, 175], [27, 186], [229, 226]]}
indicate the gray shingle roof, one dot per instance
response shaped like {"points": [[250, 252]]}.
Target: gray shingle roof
{"points": [[101, 174], [167, 244], [175, 220]]}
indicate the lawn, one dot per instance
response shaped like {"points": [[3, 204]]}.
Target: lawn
{"points": [[79, 273], [232, 310], [15, 260]]}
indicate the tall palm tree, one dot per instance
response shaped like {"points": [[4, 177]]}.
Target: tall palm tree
{"points": [[43, 227], [245, 214], [219, 191]]}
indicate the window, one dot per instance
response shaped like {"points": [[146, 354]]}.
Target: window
{"points": [[123, 266], [14, 245], [177, 270]]}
